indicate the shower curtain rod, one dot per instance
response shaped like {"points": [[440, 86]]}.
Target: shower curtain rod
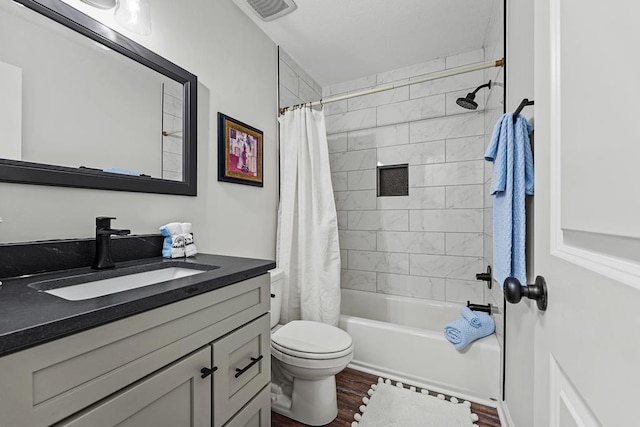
{"points": [[497, 63]]}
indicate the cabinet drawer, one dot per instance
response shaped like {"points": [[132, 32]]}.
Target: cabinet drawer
{"points": [[257, 413], [243, 359], [175, 396]]}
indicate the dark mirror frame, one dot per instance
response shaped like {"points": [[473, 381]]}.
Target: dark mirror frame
{"points": [[62, 176]]}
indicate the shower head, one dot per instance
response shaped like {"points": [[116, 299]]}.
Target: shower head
{"points": [[468, 101]]}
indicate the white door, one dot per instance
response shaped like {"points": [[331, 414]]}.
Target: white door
{"points": [[587, 212]]}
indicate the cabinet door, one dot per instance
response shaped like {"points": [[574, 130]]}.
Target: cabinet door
{"points": [[175, 396], [257, 413], [244, 361]]}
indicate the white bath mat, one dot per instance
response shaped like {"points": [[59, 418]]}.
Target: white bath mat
{"points": [[391, 405]]}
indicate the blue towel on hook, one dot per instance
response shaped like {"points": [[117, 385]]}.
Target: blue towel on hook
{"points": [[510, 152], [461, 333]]}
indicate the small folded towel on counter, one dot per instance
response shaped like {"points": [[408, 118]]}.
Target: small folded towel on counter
{"points": [[189, 247], [177, 246], [178, 240], [171, 229], [173, 246], [461, 333]]}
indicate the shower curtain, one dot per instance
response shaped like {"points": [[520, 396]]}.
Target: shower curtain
{"points": [[307, 238]]}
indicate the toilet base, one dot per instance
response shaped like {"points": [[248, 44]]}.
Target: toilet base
{"points": [[312, 402]]}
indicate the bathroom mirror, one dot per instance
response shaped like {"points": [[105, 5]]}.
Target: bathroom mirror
{"points": [[84, 106]]}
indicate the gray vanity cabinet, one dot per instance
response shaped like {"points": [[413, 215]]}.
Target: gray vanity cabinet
{"points": [[145, 370]]}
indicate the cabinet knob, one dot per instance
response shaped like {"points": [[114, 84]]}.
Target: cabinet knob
{"points": [[206, 371]]}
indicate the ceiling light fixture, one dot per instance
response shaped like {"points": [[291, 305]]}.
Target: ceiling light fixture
{"points": [[101, 4], [132, 15]]}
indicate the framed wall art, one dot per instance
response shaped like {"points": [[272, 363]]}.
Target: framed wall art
{"points": [[239, 152]]}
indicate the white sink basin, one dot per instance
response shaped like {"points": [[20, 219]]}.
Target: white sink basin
{"points": [[112, 285]]}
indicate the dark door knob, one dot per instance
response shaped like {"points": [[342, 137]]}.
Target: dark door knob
{"points": [[514, 291]]}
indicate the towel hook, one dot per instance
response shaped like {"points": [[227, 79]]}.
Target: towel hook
{"points": [[525, 102], [514, 291]]}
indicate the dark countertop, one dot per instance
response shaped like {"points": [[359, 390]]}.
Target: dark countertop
{"points": [[29, 317]]}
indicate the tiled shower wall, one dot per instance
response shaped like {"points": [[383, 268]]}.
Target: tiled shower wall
{"points": [[172, 144], [295, 85], [429, 244]]}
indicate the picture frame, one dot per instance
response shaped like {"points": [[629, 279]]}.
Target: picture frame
{"points": [[240, 152]]}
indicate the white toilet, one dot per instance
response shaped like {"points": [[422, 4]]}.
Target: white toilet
{"points": [[305, 357]]}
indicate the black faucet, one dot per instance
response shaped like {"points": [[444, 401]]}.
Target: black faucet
{"points": [[103, 242]]}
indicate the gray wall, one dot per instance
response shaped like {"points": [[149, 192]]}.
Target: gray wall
{"points": [[428, 244], [237, 76]]}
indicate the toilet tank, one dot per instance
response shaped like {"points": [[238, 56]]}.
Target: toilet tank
{"points": [[277, 276]]}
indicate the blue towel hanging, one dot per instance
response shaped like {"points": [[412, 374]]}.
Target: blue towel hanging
{"points": [[510, 152]]}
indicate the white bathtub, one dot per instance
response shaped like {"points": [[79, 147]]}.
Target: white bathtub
{"points": [[403, 338]]}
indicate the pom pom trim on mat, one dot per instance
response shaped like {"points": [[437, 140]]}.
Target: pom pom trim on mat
{"points": [[363, 408]]}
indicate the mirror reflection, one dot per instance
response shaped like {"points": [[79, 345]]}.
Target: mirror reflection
{"points": [[70, 101]]}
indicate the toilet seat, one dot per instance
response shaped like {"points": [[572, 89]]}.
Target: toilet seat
{"points": [[312, 340], [311, 356]]}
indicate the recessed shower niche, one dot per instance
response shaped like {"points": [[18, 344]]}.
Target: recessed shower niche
{"points": [[393, 180]]}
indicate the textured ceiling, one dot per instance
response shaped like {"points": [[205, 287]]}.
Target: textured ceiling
{"points": [[340, 40]]}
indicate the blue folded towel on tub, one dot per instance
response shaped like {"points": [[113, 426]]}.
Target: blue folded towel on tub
{"points": [[473, 319], [462, 332]]}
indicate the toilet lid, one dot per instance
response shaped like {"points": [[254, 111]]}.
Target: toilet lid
{"points": [[312, 340]]}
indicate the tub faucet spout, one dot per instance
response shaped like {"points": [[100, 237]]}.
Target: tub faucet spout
{"points": [[104, 232]]}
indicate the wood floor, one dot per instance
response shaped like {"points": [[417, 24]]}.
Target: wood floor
{"points": [[353, 385]]}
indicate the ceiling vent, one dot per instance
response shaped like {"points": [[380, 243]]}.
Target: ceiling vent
{"points": [[268, 10]]}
